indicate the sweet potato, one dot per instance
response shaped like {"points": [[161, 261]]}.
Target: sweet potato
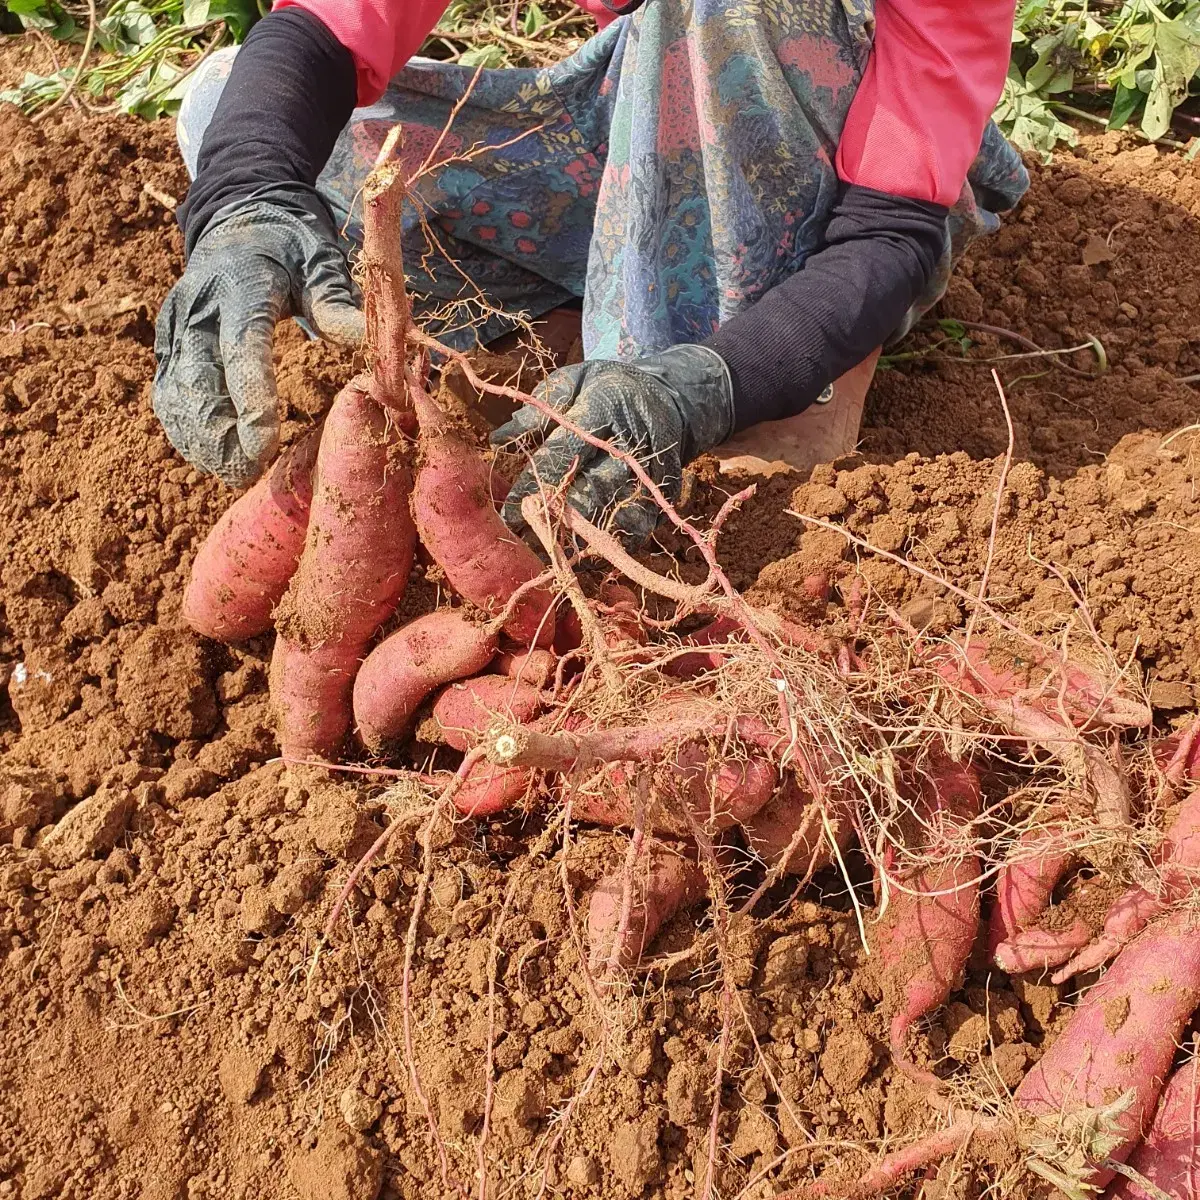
{"points": [[410, 665], [1025, 885], [987, 670], [717, 632], [792, 825], [925, 935], [484, 560], [1121, 1038], [718, 795], [1179, 862], [535, 667], [242, 569], [1169, 1155], [618, 611], [628, 908], [1041, 949], [357, 556], [1114, 1054], [465, 710], [489, 789], [1179, 755], [316, 682]]}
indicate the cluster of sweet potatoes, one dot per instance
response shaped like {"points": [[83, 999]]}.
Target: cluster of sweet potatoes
{"points": [[323, 548]]}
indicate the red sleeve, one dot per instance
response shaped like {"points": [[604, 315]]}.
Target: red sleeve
{"points": [[935, 73], [382, 35]]}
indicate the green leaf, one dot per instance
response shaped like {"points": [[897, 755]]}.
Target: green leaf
{"points": [[239, 15], [195, 12], [483, 56], [1126, 101], [1156, 120], [1053, 70], [1177, 55], [534, 19], [36, 14]]}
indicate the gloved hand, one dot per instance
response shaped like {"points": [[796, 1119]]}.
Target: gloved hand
{"points": [[270, 255], [665, 409]]}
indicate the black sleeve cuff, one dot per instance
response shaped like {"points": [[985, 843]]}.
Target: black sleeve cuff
{"points": [[880, 253], [290, 92]]}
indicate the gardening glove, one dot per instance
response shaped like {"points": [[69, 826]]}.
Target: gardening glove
{"points": [[266, 256], [664, 409]]}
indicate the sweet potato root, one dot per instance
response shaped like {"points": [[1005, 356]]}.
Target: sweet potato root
{"points": [[1122, 1037], [242, 569], [315, 683], [1169, 1155], [718, 795], [410, 665], [489, 789], [465, 710], [925, 935], [628, 908], [619, 613], [357, 556], [791, 829], [1113, 1056], [484, 560], [1042, 949], [535, 667], [986, 670], [1179, 861], [1025, 884], [1179, 755]]}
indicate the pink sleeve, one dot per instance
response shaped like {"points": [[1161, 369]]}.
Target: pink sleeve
{"points": [[935, 73], [382, 35]]}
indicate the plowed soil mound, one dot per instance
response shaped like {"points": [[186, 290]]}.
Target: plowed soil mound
{"points": [[165, 1029]]}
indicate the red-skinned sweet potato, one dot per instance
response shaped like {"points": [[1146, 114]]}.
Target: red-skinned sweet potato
{"points": [[1041, 949], [719, 795], [792, 819], [618, 611], [466, 709], [926, 933], [535, 667], [242, 570], [484, 560], [985, 670], [352, 573], [1026, 883], [1114, 1053], [623, 921], [1123, 1034], [488, 790], [1179, 861], [1169, 1155], [1178, 755], [410, 665]]}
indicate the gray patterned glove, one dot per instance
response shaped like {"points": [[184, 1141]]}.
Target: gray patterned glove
{"points": [[666, 409], [271, 255]]}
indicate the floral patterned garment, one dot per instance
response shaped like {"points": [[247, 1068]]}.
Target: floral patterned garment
{"points": [[669, 173]]}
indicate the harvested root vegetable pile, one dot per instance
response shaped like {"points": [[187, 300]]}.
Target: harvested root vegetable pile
{"points": [[842, 841]]}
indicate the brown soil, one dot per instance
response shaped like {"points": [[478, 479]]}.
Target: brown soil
{"points": [[163, 1030]]}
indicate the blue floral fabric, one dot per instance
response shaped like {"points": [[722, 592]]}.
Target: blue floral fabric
{"points": [[669, 173]]}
